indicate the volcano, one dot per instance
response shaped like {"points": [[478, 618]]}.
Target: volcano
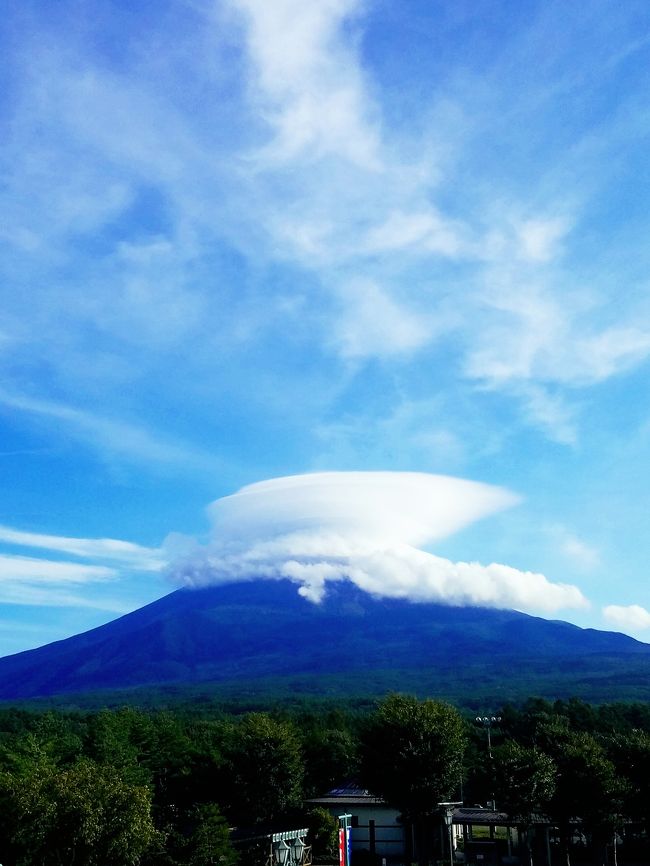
{"points": [[262, 635]]}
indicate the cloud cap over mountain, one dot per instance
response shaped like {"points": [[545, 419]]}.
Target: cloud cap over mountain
{"points": [[370, 528]]}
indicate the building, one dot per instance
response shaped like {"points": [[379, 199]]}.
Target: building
{"points": [[376, 827]]}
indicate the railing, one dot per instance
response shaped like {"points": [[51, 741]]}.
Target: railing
{"points": [[300, 857]]}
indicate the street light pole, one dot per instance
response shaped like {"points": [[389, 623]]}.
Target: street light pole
{"points": [[487, 722], [448, 816]]}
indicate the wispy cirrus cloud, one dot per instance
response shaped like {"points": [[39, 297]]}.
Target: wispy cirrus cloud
{"points": [[50, 580], [374, 323], [426, 232], [273, 135], [528, 329], [112, 549], [43, 571], [33, 581], [583, 554], [579, 552], [308, 84], [533, 336], [107, 435], [30, 595]]}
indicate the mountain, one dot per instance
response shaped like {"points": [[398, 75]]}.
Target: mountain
{"points": [[261, 635]]}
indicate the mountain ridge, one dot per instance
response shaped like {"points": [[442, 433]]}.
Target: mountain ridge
{"points": [[260, 630]]}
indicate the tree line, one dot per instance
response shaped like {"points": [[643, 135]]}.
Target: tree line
{"points": [[129, 786]]}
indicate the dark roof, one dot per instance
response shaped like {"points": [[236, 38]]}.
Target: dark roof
{"points": [[349, 789], [478, 815], [348, 792], [343, 801]]}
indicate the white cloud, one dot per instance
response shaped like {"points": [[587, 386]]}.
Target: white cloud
{"points": [[541, 349], [549, 412], [409, 507], [610, 352], [539, 238], [272, 131], [522, 327], [527, 333], [96, 584], [108, 435], [134, 556], [366, 527], [308, 82], [579, 552], [427, 231], [419, 430], [374, 323], [632, 617], [25, 569], [37, 595]]}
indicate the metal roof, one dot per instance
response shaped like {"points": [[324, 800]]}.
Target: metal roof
{"points": [[342, 801], [349, 792], [478, 815]]}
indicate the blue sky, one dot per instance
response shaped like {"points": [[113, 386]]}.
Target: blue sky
{"points": [[245, 240]]}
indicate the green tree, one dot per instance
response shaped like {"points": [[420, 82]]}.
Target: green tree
{"points": [[588, 788], [266, 769], [84, 814], [62, 736], [323, 833], [412, 757], [524, 782], [630, 754], [331, 756], [208, 843], [116, 738]]}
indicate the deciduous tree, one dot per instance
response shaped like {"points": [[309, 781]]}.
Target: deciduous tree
{"points": [[412, 757], [524, 782], [84, 814], [266, 768]]}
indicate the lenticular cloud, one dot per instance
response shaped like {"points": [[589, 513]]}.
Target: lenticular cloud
{"points": [[370, 528]]}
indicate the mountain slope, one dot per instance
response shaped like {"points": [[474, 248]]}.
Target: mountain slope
{"points": [[264, 629]]}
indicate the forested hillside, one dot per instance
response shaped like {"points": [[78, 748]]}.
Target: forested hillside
{"points": [[262, 636], [127, 786]]}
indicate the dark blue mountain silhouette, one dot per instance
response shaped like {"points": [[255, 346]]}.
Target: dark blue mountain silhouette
{"points": [[262, 630]]}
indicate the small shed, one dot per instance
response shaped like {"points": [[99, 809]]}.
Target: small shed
{"points": [[376, 827], [490, 850]]}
